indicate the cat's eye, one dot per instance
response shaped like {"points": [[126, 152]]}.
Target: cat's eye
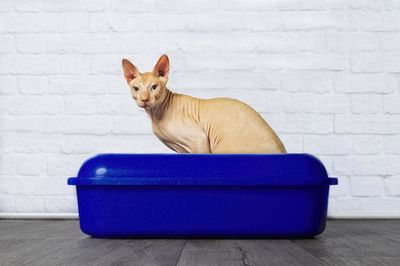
{"points": [[135, 88], [154, 87]]}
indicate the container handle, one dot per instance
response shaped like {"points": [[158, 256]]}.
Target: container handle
{"points": [[333, 180]]}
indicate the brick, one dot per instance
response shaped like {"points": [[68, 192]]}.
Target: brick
{"points": [[287, 42], [28, 65], [287, 5], [32, 165], [304, 103], [316, 82], [313, 42], [29, 203], [61, 204], [221, 62], [28, 6], [391, 5], [81, 105], [237, 5], [7, 203], [391, 104], [327, 161], [299, 62], [32, 85], [214, 22], [351, 205], [364, 104], [375, 165], [22, 124], [390, 42], [138, 124], [366, 4], [132, 143], [76, 6], [373, 21], [122, 6], [342, 165], [7, 44], [333, 104], [75, 64], [371, 124], [178, 7], [367, 144], [8, 85], [340, 42], [293, 143], [278, 103], [82, 84], [312, 5], [392, 185], [327, 144], [282, 42], [261, 22], [147, 43], [295, 123], [341, 190], [70, 22], [36, 105], [202, 42], [365, 83], [392, 64], [7, 165], [64, 165], [7, 146], [6, 5], [39, 186], [366, 186], [29, 23], [391, 144], [8, 186], [34, 143], [81, 43], [107, 64], [337, 42], [97, 125], [311, 20], [126, 23], [366, 63], [225, 83]]}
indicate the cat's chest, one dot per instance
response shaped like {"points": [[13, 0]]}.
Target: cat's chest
{"points": [[176, 130], [168, 130]]}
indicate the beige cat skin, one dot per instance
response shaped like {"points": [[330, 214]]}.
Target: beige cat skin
{"points": [[192, 125]]}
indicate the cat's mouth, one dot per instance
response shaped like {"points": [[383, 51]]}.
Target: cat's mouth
{"points": [[145, 106]]}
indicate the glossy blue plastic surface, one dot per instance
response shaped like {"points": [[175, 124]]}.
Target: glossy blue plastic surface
{"points": [[202, 195]]}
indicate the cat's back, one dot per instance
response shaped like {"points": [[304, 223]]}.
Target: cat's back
{"points": [[227, 109], [233, 126]]}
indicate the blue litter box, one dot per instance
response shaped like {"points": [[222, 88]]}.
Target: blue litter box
{"points": [[201, 195]]}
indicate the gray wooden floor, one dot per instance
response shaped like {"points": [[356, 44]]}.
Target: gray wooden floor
{"points": [[345, 242]]}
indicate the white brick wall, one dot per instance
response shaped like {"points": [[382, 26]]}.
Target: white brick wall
{"points": [[325, 74]]}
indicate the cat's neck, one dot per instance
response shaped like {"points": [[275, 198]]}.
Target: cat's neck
{"points": [[156, 113]]}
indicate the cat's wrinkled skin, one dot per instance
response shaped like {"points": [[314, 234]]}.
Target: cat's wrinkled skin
{"points": [[192, 125]]}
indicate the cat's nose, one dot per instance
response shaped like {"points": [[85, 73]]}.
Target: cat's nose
{"points": [[144, 100]]}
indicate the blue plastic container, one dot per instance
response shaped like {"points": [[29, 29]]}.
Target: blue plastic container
{"points": [[201, 195]]}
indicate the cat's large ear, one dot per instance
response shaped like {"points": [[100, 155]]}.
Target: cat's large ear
{"points": [[130, 71], [161, 69]]}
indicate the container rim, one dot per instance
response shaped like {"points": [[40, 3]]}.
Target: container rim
{"points": [[126, 181]]}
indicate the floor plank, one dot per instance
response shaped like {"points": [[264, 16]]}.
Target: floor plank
{"points": [[60, 242]]}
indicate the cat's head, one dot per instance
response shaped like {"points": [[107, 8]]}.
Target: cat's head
{"points": [[147, 88]]}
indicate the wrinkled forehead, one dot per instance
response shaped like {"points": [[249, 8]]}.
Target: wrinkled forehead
{"points": [[145, 78]]}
